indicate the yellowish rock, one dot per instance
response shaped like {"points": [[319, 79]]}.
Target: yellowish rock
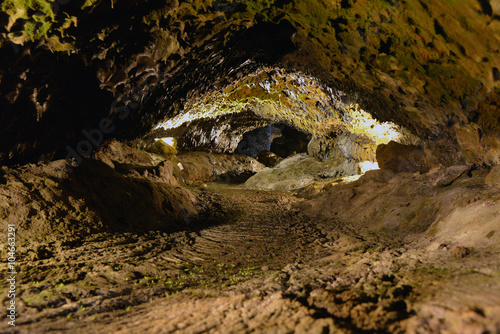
{"points": [[493, 178], [162, 148]]}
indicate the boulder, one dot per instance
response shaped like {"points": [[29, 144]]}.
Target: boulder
{"points": [[401, 158], [301, 170], [323, 148], [447, 176], [161, 148], [114, 153], [165, 172], [347, 145], [201, 167]]}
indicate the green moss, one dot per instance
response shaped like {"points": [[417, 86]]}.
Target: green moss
{"points": [[32, 20], [449, 82], [89, 3]]}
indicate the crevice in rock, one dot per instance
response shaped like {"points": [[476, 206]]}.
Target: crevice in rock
{"points": [[486, 7]]}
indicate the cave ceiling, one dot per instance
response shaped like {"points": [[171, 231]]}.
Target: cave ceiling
{"points": [[424, 71]]}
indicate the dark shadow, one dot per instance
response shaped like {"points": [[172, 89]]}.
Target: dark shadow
{"points": [[63, 84], [486, 7], [255, 141], [234, 178], [288, 141], [137, 205]]}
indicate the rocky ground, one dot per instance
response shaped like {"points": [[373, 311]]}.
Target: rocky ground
{"points": [[390, 252]]}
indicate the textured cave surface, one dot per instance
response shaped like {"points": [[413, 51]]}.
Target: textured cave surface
{"points": [[429, 66], [275, 166]]}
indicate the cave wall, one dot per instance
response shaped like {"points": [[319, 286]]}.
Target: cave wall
{"points": [[429, 66]]}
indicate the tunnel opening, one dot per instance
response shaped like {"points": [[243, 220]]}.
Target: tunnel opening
{"points": [[283, 148], [256, 141], [277, 138], [291, 123], [277, 153]]}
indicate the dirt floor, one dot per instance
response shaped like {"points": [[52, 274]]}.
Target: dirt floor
{"points": [[387, 253]]}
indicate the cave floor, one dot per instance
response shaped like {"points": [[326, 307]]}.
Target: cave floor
{"points": [[263, 264]]}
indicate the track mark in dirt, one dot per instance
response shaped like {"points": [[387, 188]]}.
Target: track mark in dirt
{"points": [[256, 231]]}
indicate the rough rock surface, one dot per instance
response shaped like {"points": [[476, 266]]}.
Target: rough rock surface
{"points": [[95, 198], [201, 167], [114, 153], [347, 145], [301, 170], [445, 177], [218, 135], [493, 178], [131, 191], [401, 158], [388, 253], [429, 66]]}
